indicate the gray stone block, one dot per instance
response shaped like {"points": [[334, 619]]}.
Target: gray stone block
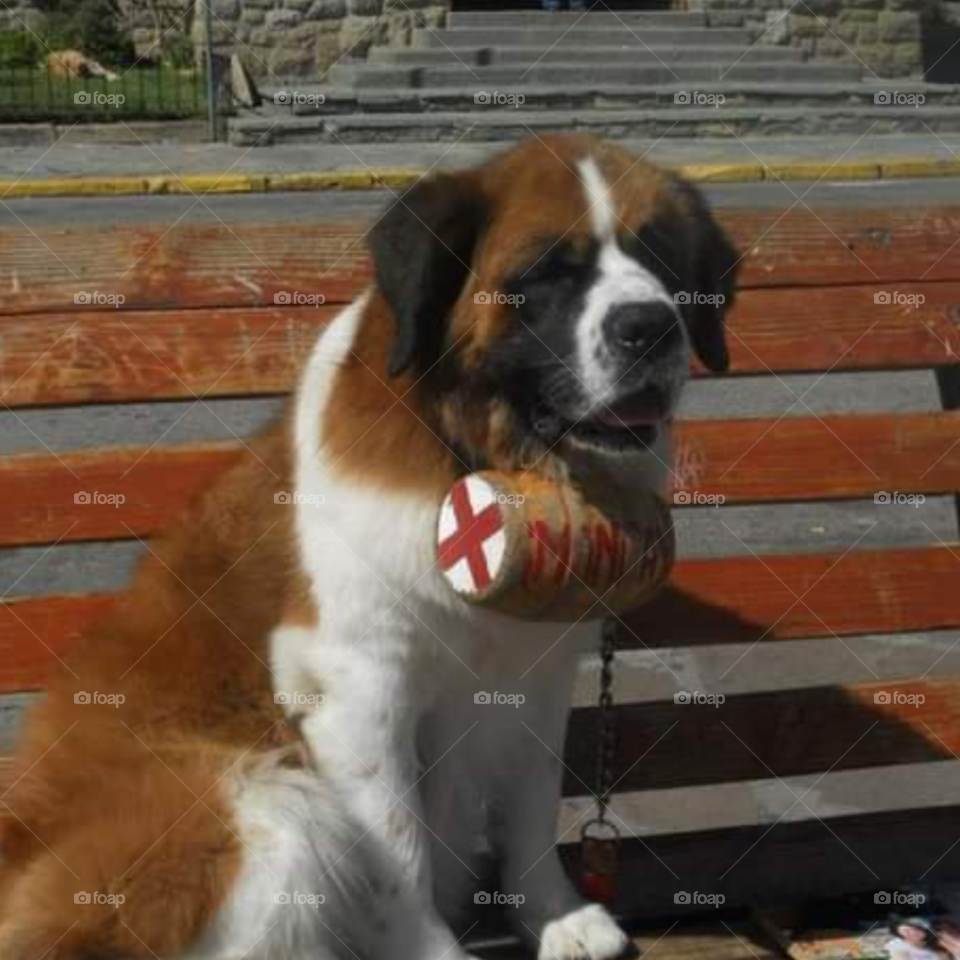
{"points": [[365, 8], [282, 19], [327, 10], [898, 25]]}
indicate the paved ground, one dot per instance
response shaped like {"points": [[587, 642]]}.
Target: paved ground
{"points": [[73, 155], [34, 212]]}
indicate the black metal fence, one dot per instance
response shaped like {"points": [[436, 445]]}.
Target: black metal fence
{"points": [[32, 93]]}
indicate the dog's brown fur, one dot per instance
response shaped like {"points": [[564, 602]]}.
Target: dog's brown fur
{"points": [[132, 800]]}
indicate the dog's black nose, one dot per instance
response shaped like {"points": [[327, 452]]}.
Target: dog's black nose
{"points": [[641, 328]]}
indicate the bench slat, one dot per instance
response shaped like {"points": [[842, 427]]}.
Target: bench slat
{"points": [[750, 598], [756, 460], [203, 264], [120, 355], [729, 600]]}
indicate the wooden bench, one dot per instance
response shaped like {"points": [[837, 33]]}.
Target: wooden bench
{"points": [[700, 787]]}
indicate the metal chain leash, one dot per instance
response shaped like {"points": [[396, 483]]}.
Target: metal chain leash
{"points": [[600, 837], [606, 733]]}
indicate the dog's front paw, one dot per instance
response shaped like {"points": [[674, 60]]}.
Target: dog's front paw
{"points": [[589, 933]]}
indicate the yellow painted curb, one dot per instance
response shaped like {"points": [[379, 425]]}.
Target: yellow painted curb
{"points": [[866, 170], [901, 169], [400, 177], [722, 173]]}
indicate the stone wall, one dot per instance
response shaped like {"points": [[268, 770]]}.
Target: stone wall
{"points": [[883, 36], [19, 15], [286, 39]]}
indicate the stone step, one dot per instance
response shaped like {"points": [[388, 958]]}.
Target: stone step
{"points": [[339, 100], [508, 125], [626, 53], [544, 37], [512, 79], [564, 19]]}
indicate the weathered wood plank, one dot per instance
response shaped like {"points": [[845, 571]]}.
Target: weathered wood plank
{"points": [[102, 356], [737, 599], [783, 597], [202, 264], [49, 491], [797, 458]]}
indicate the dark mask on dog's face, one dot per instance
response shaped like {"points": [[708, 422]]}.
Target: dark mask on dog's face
{"points": [[563, 295]]}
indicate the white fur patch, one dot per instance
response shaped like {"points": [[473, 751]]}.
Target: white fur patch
{"points": [[603, 217], [589, 933], [620, 280], [304, 888]]}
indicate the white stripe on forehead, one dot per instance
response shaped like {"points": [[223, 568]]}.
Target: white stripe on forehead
{"points": [[603, 217]]}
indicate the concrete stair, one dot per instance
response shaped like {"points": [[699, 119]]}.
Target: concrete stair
{"points": [[497, 76], [622, 55]]}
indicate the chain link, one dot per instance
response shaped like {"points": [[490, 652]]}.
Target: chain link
{"points": [[606, 733]]}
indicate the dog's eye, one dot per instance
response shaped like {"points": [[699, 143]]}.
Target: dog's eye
{"points": [[655, 251]]}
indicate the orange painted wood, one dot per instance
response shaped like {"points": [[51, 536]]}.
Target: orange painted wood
{"points": [[725, 600], [118, 355], [185, 264], [34, 632], [831, 457], [43, 491], [193, 264], [821, 246], [744, 460], [842, 328], [785, 597]]}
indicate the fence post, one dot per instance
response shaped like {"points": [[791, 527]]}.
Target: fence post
{"points": [[211, 79]]}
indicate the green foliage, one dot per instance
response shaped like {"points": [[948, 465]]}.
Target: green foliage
{"points": [[89, 26], [19, 48], [177, 50]]}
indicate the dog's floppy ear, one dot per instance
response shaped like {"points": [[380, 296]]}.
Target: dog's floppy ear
{"points": [[711, 268], [422, 249]]}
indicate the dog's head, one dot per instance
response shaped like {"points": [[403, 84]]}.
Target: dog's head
{"points": [[549, 301]]}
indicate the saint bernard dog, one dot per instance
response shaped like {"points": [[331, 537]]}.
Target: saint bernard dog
{"points": [[274, 746]]}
